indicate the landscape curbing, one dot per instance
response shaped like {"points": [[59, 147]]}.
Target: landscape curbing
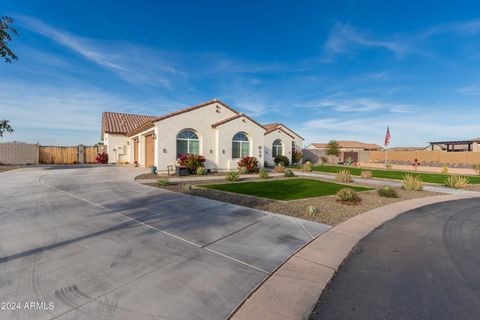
{"points": [[294, 289]]}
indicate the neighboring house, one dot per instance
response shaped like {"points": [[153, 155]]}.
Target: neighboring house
{"points": [[409, 148], [347, 146], [211, 129]]}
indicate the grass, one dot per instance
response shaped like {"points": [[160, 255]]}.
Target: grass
{"points": [[291, 189], [392, 174]]}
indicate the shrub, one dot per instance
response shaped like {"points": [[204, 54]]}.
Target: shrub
{"points": [[344, 176], [348, 196], [476, 167], [279, 168], [201, 171], [307, 166], [187, 187], [366, 174], [457, 182], [349, 161], [249, 163], [281, 160], [163, 182], [324, 159], [312, 211], [191, 161], [289, 173], [445, 169], [387, 192], [102, 158], [242, 170], [263, 173], [232, 176], [411, 182], [388, 167], [297, 156]]}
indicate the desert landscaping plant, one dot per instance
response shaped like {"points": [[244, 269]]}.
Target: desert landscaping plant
{"points": [[457, 182], [387, 192], [348, 196], [263, 173], [445, 169], [281, 160], [187, 187], [201, 171], [366, 174], [289, 173], [476, 167], [163, 182], [312, 211], [191, 161], [279, 168], [232, 176], [307, 166], [297, 156], [344, 176], [248, 165], [411, 182]]}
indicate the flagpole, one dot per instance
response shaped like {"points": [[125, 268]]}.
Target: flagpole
{"points": [[387, 138]]}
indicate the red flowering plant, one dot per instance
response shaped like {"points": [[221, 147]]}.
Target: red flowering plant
{"points": [[248, 164], [102, 158], [191, 161]]}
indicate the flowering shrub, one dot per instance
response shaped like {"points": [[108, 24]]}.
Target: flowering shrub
{"points": [[281, 160], [191, 161], [102, 158], [250, 164]]}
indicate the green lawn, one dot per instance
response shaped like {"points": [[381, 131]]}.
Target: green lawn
{"points": [[392, 174], [286, 189]]}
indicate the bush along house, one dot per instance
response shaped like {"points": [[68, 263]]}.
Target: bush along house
{"points": [[212, 129]]}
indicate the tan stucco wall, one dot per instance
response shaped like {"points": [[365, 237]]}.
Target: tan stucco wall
{"points": [[117, 147]]}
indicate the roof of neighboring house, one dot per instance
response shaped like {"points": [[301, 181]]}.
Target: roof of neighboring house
{"points": [[277, 125], [122, 123], [408, 148], [350, 144], [236, 116], [456, 141]]}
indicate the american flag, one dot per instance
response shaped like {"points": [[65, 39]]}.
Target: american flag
{"points": [[387, 137]]}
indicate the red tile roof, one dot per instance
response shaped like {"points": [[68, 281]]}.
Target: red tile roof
{"points": [[121, 123]]}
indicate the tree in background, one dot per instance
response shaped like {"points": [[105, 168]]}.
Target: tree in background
{"points": [[333, 148], [6, 32], [5, 127]]}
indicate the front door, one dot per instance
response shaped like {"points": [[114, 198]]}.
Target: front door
{"points": [[149, 150]]}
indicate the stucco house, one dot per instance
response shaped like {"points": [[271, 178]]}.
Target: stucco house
{"points": [[212, 129]]}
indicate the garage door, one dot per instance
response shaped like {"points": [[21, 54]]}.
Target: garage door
{"points": [[135, 150], [149, 150]]}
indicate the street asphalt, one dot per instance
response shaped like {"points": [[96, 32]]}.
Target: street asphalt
{"points": [[90, 243], [425, 264]]}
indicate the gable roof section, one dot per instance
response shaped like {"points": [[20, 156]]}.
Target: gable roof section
{"points": [[122, 123], [280, 129], [188, 109], [238, 115], [273, 126], [350, 144]]}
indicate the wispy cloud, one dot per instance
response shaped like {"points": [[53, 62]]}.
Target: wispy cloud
{"points": [[123, 59], [344, 39], [473, 90], [357, 105]]}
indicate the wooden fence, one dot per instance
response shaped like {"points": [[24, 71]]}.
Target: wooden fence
{"points": [[440, 157], [58, 155]]}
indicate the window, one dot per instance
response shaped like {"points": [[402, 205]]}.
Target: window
{"points": [[240, 146], [187, 142], [277, 148]]}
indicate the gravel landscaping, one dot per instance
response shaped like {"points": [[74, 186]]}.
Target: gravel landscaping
{"points": [[329, 211]]}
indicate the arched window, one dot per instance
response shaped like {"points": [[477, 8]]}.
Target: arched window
{"points": [[277, 148], [240, 146], [187, 142]]}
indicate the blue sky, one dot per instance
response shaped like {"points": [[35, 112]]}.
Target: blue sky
{"points": [[330, 70]]}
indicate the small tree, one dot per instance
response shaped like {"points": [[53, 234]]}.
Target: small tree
{"points": [[5, 127], [333, 148], [6, 32]]}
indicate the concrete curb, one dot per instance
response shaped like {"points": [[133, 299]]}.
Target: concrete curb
{"points": [[294, 289]]}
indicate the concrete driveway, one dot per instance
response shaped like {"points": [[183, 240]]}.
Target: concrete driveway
{"points": [[90, 243], [421, 265]]}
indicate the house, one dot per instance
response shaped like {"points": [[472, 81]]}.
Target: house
{"points": [[211, 129], [347, 146]]}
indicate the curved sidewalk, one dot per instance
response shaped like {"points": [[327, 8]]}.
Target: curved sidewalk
{"points": [[294, 289]]}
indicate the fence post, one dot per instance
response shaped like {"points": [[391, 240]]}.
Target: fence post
{"points": [[81, 153]]}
